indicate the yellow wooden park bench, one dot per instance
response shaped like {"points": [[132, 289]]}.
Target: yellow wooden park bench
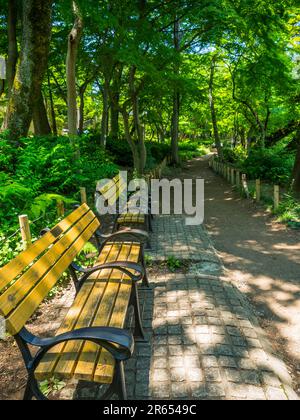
{"points": [[91, 344], [111, 193]]}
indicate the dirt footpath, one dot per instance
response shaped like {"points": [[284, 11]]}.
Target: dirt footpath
{"points": [[261, 257]]}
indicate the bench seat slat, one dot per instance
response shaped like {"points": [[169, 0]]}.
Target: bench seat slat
{"points": [[87, 361], [17, 265], [131, 218], [89, 355], [66, 365], [105, 367], [25, 310], [18, 291], [46, 368]]}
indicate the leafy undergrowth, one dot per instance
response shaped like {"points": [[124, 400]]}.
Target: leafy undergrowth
{"points": [[189, 150], [289, 212], [170, 265]]}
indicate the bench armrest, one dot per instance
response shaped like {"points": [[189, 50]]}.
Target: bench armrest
{"points": [[137, 234], [118, 342], [123, 266]]}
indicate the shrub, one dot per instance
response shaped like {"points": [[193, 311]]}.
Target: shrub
{"points": [[269, 164], [189, 150], [122, 155], [34, 177]]}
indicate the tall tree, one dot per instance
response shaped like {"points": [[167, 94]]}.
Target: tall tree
{"points": [[36, 33], [74, 39], [213, 108], [12, 43]]}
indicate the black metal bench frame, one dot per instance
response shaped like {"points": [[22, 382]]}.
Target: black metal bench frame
{"points": [[118, 342]]}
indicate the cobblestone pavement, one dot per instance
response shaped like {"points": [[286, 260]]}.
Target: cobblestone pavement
{"points": [[204, 341]]}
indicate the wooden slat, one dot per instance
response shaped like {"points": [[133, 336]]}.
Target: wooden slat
{"points": [[26, 309], [86, 365], [104, 372], [16, 293], [105, 363], [17, 266], [68, 360], [67, 363], [111, 257], [46, 368]]}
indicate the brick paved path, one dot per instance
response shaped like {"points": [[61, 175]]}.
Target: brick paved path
{"points": [[204, 341]]}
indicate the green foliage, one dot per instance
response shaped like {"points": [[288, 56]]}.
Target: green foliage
{"points": [[270, 165], [51, 385], [273, 164], [49, 164], [174, 264], [236, 155], [148, 260], [289, 211], [7, 154], [189, 150], [38, 175], [122, 155]]}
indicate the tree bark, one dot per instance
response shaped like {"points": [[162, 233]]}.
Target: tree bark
{"points": [[105, 113], [130, 140], [12, 44], [114, 104], [213, 108], [53, 115], [282, 133], [82, 91], [142, 152], [27, 84], [40, 118], [176, 101], [296, 171], [73, 45]]}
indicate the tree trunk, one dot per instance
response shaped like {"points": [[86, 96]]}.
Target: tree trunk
{"points": [[176, 101], [213, 108], [282, 133], [27, 84], [73, 45], [114, 105], [175, 128], [82, 91], [53, 116], [296, 171], [142, 152], [40, 118], [105, 114], [133, 146], [12, 43]]}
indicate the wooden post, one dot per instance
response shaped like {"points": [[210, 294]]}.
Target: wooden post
{"points": [[25, 231], [276, 197], [258, 190], [60, 209], [245, 185], [83, 195], [238, 179], [228, 173], [232, 176]]}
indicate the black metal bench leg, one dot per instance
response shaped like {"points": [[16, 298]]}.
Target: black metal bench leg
{"points": [[28, 394], [145, 283], [139, 334], [120, 384], [33, 390], [150, 223]]}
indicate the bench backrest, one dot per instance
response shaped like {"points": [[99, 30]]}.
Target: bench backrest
{"points": [[112, 190], [27, 280]]}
